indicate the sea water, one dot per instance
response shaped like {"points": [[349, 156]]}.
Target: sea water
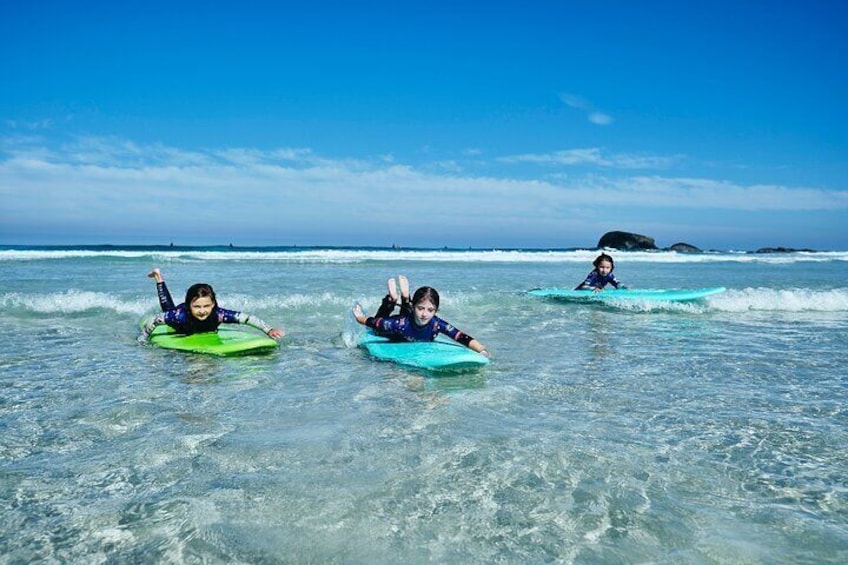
{"points": [[707, 432]]}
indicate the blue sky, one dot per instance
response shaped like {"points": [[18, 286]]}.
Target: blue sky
{"points": [[516, 124]]}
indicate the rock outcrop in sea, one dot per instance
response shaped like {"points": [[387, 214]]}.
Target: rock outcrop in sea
{"points": [[626, 241], [684, 248], [782, 250]]}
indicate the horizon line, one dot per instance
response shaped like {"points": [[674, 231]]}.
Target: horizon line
{"points": [[393, 247]]}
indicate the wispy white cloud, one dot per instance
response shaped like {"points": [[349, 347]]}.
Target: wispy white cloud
{"points": [[29, 125], [599, 118], [707, 194], [595, 156], [120, 185], [449, 166], [593, 114]]}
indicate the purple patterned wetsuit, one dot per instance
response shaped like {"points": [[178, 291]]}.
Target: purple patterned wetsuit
{"points": [[404, 328], [595, 280], [179, 317]]}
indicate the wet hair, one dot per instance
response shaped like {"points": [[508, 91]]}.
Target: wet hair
{"points": [[604, 257], [200, 290], [426, 293]]}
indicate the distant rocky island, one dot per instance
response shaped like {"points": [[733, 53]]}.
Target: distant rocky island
{"points": [[627, 241]]}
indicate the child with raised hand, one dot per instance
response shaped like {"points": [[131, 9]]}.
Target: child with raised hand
{"points": [[199, 313], [601, 275], [417, 320]]}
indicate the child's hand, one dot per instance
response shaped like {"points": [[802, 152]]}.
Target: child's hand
{"points": [[276, 333]]}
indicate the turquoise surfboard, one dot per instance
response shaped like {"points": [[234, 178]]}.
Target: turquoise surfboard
{"points": [[226, 341], [665, 294], [439, 355]]}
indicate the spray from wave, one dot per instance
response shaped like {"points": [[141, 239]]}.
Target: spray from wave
{"points": [[734, 300], [70, 302], [750, 300]]}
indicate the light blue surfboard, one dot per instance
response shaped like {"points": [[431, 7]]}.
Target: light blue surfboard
{"points": [[665, 294], [439, 355], [225, 342]]}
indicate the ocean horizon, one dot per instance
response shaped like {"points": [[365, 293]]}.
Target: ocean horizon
{"points": [[393, 247], [702, 432]]}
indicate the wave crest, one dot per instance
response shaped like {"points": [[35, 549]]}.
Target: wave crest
{"points": [[781, 300], [71, 302], [734, 301]]}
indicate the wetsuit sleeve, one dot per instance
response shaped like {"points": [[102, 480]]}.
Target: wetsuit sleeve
{"points": [[615, 282], [588, 283], [234, 317], [454, 333], [387, 324], [165, 301], [148, 328]]}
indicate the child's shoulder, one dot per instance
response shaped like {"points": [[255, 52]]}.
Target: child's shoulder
{"points": [[178, 313]]}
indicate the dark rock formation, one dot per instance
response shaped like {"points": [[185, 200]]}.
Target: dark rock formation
{"points": [[684, 248], [626, 241], [782, 250]]}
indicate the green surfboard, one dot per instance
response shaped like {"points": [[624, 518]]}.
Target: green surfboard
{"points": [[227, 341]]}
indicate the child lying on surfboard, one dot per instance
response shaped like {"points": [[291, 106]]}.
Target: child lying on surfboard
{"points": [[601, 275], [199, 313], [417, 320]]}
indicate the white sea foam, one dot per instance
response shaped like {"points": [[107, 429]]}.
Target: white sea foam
{"points": [[781, 300], [70, 302], [80, 301], [750, 300], [734, 300]]}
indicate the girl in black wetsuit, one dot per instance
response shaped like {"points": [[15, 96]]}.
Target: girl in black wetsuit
{"points": [[199, 313], [417, 320], [601, 275]]}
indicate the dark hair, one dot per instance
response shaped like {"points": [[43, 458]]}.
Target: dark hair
{"points": [[604, 257], [200, 290], [426, 293]]}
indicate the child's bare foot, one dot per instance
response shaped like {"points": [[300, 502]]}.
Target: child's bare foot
{"points": [[358, 314], [156, 275], [404, 287], [392, 289]]}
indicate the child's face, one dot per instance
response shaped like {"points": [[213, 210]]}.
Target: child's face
{"points": [[201, 307], [424, 312], [604, 267]]}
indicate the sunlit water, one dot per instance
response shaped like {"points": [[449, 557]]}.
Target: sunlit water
{"points": [[710, 432]]}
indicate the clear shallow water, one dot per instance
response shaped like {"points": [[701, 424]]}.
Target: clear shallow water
{"points": [[712, 432]]}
